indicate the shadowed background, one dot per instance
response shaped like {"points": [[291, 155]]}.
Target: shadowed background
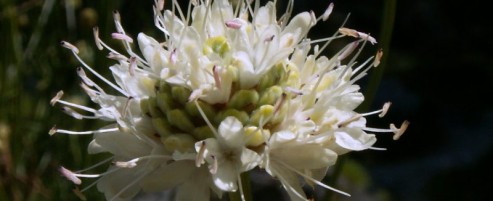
{"points": [[436, 74]]}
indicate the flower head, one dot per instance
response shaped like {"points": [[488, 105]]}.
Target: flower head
{"points": [[229, 88]]}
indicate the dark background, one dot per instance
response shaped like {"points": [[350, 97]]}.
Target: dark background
{"points": [[438, 75]]}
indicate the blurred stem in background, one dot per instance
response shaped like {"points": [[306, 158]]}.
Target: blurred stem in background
{"points": [[387, 26]]}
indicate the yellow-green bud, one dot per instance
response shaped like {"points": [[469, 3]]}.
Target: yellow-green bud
{"points": [[163, 87], [144, 106], [179, 119], [270, 96], [218, 45], [178, 142], [193, 111], [243, 98], [232, 72], [180, 94], [164, 102], [292, 80], [242, 116], [202, 133], [153, 108], [162, 126], [254, 136], [264, 112]]}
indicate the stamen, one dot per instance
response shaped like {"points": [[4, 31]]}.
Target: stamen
{"points": [[160, 5], [293, 91], [205, 118], [87, 81], [357, 34], [348, 50], [311, 179], [350, 120], [132, 66], [95, 31], [385, 108], [83, 76], [172, 56], [240, 186], [117, 19], [69, 175], [98, 75], [128, 164], [96, 165], [120, 36], [217, 76], [116, 56], [378, 57], [52, 130], [279, 103], [72, 113], [327, 12], [200, 158], [378, 148], [55, 130], [78, 106], [57, 97], [125, 108], [382, 111], [269, 39], [214, 166], [400, 131], [233, 24], [69, 46]]}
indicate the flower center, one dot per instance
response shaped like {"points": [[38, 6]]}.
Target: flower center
{"points": [[179, 123]]}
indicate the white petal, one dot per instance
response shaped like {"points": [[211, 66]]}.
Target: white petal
{"points": [[196, 188], [354, 139], [225, 177], [120, 144], [249, 160], [289, 181], [305, 156], [123, 181], [231, 133], [168, 176]]}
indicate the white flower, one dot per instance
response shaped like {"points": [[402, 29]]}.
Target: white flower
{"points": [[236, 87], [227, 154]]}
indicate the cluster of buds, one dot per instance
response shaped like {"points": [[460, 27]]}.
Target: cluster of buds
{"points": [[231, 88]]}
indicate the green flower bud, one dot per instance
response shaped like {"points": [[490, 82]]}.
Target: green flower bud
{"points": [[180, 94], [218, 45], [242, 116], [153, 108], [163, 87], [264, 112], [144, 106], [243, 98], [193, 111], [179, 119], [203, 132], [179, 142], [164, 102], [162, 126], [270, 95]]}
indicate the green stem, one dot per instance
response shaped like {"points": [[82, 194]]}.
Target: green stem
{"points": [[247, 190], [388, 19]]}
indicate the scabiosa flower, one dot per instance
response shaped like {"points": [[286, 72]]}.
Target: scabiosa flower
{"points": [[230, 88]]}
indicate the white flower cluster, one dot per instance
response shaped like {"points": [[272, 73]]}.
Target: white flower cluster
{"points": [[231, 88]]}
